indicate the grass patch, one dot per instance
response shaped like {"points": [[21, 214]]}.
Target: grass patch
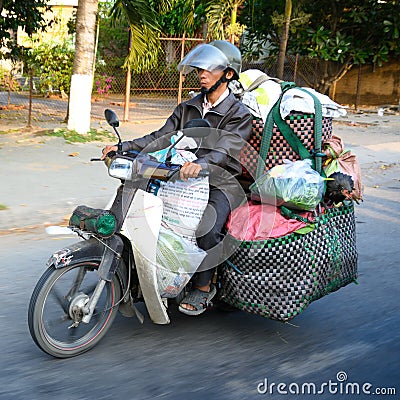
{"points": [[3, 207], [94, 135], [13, 130]]}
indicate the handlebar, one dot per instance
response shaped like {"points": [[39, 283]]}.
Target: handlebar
{"points": [[149, 167], [203, 173], [165, 171]]}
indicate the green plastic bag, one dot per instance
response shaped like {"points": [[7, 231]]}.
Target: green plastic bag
{"points": [[94, 220], [295, 185]]}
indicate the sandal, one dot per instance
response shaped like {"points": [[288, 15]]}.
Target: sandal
{"points": [[199, 300]]}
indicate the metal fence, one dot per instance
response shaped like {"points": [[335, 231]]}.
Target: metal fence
{"points": [[152, 94]]}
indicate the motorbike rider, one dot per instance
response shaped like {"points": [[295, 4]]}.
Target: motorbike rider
{"points": [[216, 63]]}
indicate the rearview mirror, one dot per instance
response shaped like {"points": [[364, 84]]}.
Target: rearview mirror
{"points": [[111, 118]]}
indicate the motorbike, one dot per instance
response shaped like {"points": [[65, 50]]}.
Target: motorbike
{"points": [[76, 300], [116, 263]]}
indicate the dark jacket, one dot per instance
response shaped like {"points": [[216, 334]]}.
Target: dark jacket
{"points": [[219, 152]]}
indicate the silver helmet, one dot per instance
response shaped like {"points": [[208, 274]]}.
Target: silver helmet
{"points": [[216, 55]]}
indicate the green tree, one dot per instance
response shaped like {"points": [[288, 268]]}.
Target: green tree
{"points": [[341, 33], [349, 32], [20, 13], [262, 34]]}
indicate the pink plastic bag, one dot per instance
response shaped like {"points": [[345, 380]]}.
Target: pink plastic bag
{"points": [[255, 221]]}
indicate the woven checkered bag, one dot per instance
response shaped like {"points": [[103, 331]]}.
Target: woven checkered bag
{"points": [[279, 150], [279, 278]]}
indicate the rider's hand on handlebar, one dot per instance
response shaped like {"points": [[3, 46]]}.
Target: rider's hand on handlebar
{"points": [[107, 149], [189, 170]]}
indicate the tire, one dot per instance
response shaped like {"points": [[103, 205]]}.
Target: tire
{"points": [[55, 295]]}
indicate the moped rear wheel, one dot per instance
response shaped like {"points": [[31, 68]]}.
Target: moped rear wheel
{"points": [[55, 309]]}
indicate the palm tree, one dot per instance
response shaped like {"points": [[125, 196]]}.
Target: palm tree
{"points": [[222, 19], [142, 18], [82, 72]]}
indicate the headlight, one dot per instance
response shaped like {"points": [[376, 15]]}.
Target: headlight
{"points": [[121, 168]]}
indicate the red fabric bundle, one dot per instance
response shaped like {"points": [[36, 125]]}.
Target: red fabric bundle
{"points": [[255, 221]]}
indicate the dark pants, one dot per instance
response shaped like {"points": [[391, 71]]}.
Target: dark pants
{"points": [[210, 234]]}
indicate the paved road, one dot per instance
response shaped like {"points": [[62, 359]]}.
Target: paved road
{"points": [[219, 355]]}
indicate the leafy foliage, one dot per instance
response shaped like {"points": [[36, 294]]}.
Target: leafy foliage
{"points": [[339, 33], [184, 17], [346, 31], [8, 81], [221, 18], [112, 49], [149, 20], [261, 34], [113, 41], [52, 63], [142, 17], [20, 13], [362, 33]]}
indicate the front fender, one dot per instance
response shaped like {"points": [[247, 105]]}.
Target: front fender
{"points": [[86, 250]]}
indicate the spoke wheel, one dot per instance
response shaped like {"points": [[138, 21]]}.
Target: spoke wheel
{"points": [[55, 310]]}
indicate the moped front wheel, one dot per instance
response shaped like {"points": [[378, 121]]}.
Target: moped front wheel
{"points": [[56, 309]]}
